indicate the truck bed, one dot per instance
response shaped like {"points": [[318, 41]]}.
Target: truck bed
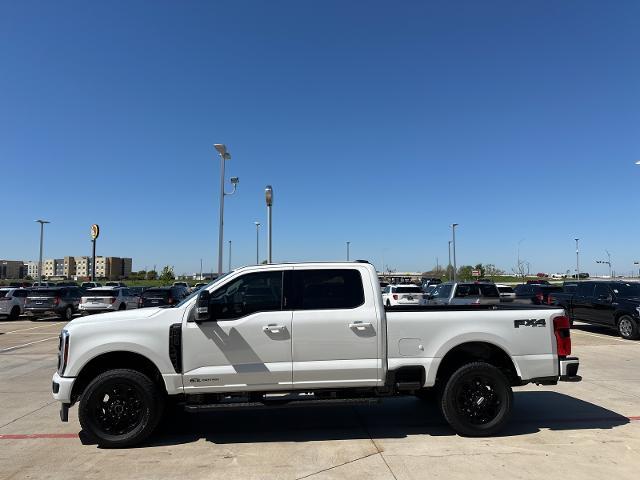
{"points": [[467, 308]]}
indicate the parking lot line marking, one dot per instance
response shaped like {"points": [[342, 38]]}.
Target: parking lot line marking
{"points": [[26, 344], [10, 436], [28, 333], [34, 328], [597, 335]]}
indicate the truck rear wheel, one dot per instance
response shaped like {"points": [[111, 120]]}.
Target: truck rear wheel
{"points": [[477, 400], [120, 408]]}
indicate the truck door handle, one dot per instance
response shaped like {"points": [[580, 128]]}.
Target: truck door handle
{"points": [[273, 328], [360, 325]]}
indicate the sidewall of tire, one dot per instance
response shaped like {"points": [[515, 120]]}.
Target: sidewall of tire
{"points": [[457, 422], [153, 408], [635, 334]]}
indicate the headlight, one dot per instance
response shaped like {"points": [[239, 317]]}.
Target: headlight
{"points": [[63, 351]]}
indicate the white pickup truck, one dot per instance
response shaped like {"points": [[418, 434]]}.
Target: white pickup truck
{"points": [[280, 335]]}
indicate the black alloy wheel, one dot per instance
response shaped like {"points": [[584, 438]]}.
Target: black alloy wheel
{"points": [[120, 408], [477, 400]]}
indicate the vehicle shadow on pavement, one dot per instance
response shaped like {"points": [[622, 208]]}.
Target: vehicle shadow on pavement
{"points": [[393, 418], [601, 330]]}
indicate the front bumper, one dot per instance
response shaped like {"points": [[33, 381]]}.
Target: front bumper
{"points": [[569, 369], [61, 388]]}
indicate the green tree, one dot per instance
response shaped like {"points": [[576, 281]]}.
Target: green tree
{"points": [[167, 274], [480, 267], [464, 272]]}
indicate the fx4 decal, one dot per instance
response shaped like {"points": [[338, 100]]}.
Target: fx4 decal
{"points": [[530, 322]]}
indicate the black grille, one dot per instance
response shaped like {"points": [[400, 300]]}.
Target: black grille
{"points": [[175, 346]]}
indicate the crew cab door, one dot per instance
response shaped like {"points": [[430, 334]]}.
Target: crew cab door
{"points": [[246, 346], [336, 328]]}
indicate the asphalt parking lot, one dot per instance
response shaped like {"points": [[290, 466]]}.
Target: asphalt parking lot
{"points": [[585, 430]]}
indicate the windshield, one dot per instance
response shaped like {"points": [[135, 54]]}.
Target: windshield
{"points": [[626, 289], [102, 293], [193, 294], [156, 293], [505, 289]]}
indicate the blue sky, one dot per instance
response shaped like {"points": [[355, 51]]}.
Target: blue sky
{"points": [[379, 123]]}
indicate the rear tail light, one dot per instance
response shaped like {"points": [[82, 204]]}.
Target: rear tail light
{"points": [[562, 331], [140, 302], [540, 297], [170, 301], [550, 300], [113, 299], [56, 301], [395, 297]]}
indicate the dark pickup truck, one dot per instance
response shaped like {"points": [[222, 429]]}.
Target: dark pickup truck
{"points": [[610, 303]]}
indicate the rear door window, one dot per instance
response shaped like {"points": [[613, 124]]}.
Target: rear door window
{"points": [[325, 289], [489, 290]]}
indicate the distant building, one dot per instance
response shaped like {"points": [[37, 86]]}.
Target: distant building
{"points": [[111, 268], [12, 269], [32, 269]]}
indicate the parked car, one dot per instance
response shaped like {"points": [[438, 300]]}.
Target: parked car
{"points": [[115, 284], [403, 295], [426, 282], [157, 296], [20, 284], [506, 293], [237, 344], [43, 284], [137, 291], [12, 302], [182, 284], [108, 299], [62, 301], [465, 293], [67, 283], [612, 303], [88, 285], [534, 293]]}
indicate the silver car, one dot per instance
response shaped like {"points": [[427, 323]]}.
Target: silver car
{"points": [[465, 293], [12, 302]]}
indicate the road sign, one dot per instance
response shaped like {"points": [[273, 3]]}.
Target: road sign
{"points": [[95, 231], [475, 273]]}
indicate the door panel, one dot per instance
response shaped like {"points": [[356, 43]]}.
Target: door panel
{"points": [[334, 346], [240, 354], [247, 344]]}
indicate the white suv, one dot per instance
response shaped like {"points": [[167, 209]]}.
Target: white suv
{"points": [[107, 299], [12, 302], [393, 295]]}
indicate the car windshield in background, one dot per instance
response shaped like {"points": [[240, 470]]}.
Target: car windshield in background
{"points": [[626, 289], [44, 293], [155, 293], [407, 290], [505, 289], [102, 293]]}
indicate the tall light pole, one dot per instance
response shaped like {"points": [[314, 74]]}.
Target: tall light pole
{"points": [[348, 243], [268, 194], [41, 222], [577, 259], [449, 265], [453, 231], [229, 256], [257, 224], [224, 155]]}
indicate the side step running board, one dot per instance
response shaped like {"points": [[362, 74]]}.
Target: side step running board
{"points": [[276, 404]]}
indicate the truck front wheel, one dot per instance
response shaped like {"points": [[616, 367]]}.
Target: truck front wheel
{"points": [[120, 408], [477, 400]]}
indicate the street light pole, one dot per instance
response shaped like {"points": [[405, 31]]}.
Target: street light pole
{"points": [[41, 222], [348, 243], [229, 256], [453, 230], [268, 192], [577, 259], [257, 242], [449, 264], [224, 155]]}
